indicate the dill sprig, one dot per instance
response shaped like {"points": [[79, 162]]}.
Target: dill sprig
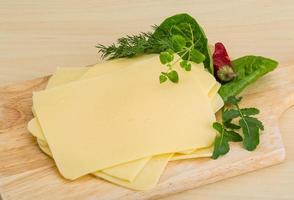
{"points": [[128, 46]]}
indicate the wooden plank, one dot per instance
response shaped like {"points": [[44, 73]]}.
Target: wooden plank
{"points": [[26, 173]]}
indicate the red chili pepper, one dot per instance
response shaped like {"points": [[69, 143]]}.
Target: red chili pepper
{"points": [[222, 63]]}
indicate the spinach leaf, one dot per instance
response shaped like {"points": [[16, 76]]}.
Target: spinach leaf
{"points": [[248, 69], [178, 25]]}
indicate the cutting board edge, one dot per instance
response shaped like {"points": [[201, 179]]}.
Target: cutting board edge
{"points": [[278, 154]]}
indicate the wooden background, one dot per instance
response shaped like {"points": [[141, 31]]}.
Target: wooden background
{"points": [[38, 36]]}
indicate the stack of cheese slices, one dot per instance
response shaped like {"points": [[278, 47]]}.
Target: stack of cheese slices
{"points": [[117, 122]]}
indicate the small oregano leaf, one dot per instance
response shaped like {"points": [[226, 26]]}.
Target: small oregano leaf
{"points": [[166, 57], [186, 65], [162, 78], [173, 76], [196, 56]]}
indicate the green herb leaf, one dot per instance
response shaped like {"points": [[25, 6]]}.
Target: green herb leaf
{"points": [[248, 70], [221, 143], [185, 65], [162, 78], [180, 25], [178, 42], [173, 76], [233, 100], [196, 56], [233, 136], [165, 57], [127, 46], [230, 114], [250, 132], [249, 125], [249, 111], [230, 125], [255, 121]]}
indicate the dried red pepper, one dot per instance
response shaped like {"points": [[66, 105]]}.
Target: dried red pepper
{"points": [[222, 63]]}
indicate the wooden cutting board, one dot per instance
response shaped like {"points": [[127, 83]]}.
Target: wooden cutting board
{"points": [[26, 173]]}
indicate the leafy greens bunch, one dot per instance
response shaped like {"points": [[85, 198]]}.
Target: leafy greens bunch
{"points": [[228, 130], [182, 35], [179, 34]]}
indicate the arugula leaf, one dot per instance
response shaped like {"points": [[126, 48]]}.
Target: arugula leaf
{"points": [[230, 125], [255, 121], [233, 136], [221, 143], [221, 146], [249, 111], [233, 100], [178, 24], [248, 69], [230, 114], [250, 132], [249, 125]]}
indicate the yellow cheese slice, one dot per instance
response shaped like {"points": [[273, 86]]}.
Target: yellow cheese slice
{"points": [[119, 109], [70, 76], [200, 153], [146, 179], [126, 171], [217, 103], [138, 183]]}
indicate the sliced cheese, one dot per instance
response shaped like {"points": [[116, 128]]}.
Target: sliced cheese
{"points": [[200, 153], [126, 171], [134, 118], [217, 103], [148, 177], [145, 180], [138, 184]]}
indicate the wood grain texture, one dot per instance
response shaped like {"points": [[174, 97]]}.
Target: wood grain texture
{"points": [[38, 36], [26, 173]]}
